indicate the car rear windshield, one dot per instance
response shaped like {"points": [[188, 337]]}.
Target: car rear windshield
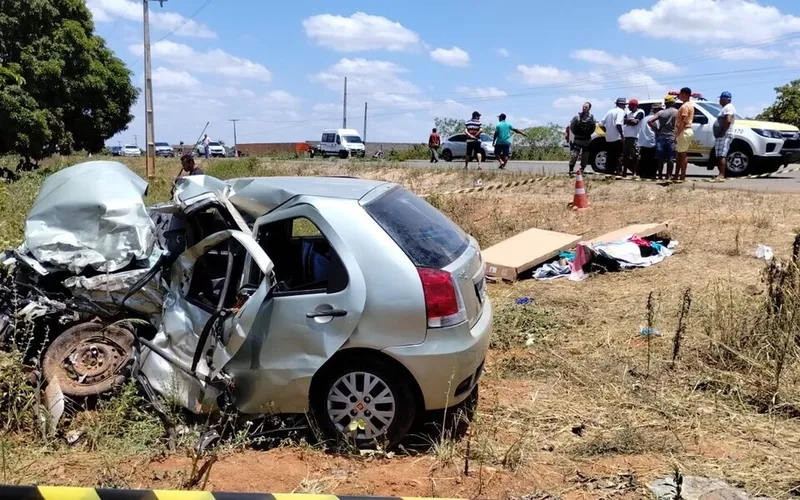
{"points": [[428, 237]]}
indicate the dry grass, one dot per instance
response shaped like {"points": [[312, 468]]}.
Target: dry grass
{"points": [[571, 400]]}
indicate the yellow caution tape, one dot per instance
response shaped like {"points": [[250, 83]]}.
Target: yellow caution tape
{"points": [[68, 493]]}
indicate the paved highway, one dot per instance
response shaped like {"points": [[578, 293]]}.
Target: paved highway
{"points": [[781, 183]]}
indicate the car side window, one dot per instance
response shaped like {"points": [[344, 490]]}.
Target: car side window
{"points": [[304, 260], [459, 138], [338, 141]]}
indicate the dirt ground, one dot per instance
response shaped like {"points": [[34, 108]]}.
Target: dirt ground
{"points": [[575, 402]]}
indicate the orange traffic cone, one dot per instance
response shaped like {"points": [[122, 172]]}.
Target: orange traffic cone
{"points": [[580, 200]]}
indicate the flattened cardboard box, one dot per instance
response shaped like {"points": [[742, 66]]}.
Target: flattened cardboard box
{"points": [[511, 257], [640, 230]]}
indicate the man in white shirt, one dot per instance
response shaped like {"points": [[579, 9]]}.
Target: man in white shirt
{"points": [[723, 132], [633, 124], [647, 147], [206, 143], [612, 125]]}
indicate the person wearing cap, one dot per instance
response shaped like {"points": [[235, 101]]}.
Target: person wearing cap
{"points": [[581, 127], [663, 124], [612, 125], [647, 146], [634, 120], [723, 132], [502, 140], [473, 131], [684, 132]]}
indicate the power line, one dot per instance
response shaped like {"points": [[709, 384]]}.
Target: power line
{"points": [[184, 23]]}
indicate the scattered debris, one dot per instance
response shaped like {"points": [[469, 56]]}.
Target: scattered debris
{"points": [[698, 488], [524, 301], [764, 252], [73, 437], [648, 332]]}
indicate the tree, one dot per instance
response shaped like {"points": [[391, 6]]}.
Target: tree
{"points": [[61, 88], [787, 106]]}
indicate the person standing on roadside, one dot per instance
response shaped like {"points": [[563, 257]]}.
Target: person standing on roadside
{"points": [[581, 127], [612, 125], [647, 146], [502, 140], [723, 132], [473, 131], [634, 120], [684, 132], [665, 135], [206, 144], [434, 141]]}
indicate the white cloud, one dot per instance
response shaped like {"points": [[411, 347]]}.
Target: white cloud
{"points": [[104, 11], [602, 58], [744, 54], [721, 20], [168, 79], [623, 62], [379, 81], [359, 32], [454, 57], [543, 75], [575, 102], [214, 61], [481, 92], [502, 52]]}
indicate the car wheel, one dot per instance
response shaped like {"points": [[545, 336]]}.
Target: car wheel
{"points": [[87, 359], [740, 160], [344, 154], [364, 401], [447, 155]]}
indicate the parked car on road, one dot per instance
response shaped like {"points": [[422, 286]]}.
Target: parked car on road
{"points": [[353, 300], [116, 150], [455, 146], [215, 149], [129, 150], [757, 146], [163, 149], [342, 142]]}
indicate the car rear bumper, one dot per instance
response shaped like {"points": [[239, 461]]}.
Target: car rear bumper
{"points": [[448, 365]]}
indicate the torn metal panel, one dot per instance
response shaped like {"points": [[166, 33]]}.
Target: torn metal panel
{"points": [[90, 215], [106, 291], [182, 321], [193, 189]]}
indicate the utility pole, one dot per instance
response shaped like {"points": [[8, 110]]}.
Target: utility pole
{"points": [[148, 94], [235, 147], [136, 140], [344, 108], [365, 124]]}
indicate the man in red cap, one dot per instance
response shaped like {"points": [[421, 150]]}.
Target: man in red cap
{"points": [[634, 120]]}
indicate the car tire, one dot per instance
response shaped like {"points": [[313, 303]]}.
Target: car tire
{"points": [[599, 157], [344, 154], [740, 160], [447, 155], [88, 358], [331, 397]]}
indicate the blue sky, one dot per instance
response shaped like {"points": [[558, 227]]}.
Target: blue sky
{"points": [[279, 66]]}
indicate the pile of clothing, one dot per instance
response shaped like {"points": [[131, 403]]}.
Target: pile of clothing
{"points": [[631, 252]]}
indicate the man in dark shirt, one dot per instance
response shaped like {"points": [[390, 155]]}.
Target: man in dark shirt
{"points": [[187, 162], [434, 141]]}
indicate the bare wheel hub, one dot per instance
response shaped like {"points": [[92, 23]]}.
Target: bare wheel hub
{"points": [[93, 360]]}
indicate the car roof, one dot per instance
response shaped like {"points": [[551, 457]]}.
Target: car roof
{"points": [[256, 196]]}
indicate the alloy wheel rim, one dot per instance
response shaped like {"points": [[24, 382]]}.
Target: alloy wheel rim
{"points": [[362, 404]]}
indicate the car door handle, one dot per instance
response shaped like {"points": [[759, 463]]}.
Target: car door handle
{"points": [[330, 313]]}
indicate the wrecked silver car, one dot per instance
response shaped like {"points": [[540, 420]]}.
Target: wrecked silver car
{"points": [[351, 300]]}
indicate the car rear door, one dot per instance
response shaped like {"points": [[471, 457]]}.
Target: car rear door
{"points": [[459, 145], [317, 302]]}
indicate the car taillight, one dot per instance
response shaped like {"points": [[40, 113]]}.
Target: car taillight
{"points": [[443, 303]]}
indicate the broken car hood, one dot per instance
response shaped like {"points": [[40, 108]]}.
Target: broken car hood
{"points": [[90, 214]]}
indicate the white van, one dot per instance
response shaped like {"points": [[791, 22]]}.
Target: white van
{"points": [[341, 142]]}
